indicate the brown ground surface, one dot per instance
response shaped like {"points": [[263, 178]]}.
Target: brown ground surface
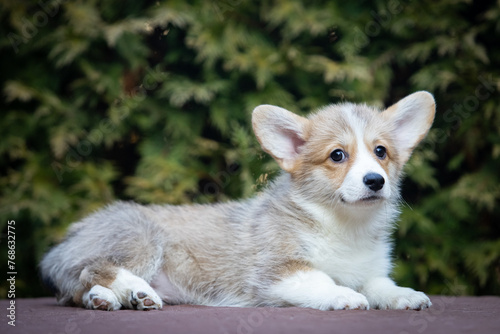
{"points": [[447, 315]]}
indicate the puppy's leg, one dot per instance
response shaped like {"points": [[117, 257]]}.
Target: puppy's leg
{"points": [[315, 289], [110, 288], [383, 293]]}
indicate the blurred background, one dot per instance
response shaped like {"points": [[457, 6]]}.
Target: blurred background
{"points": [[151, 101]]}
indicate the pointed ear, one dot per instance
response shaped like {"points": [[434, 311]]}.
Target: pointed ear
{"points": [[412, 118], [280, 132]]}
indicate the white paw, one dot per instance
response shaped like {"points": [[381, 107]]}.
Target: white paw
{"points": [[134, 292], [101, 298], [404, 299], [142, 300], [347, 299]]}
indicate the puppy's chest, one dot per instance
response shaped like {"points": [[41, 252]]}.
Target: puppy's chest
{"points": [[349, 262]]}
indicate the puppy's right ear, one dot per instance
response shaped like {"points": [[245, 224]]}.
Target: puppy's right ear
{"points": [[281, 133]]}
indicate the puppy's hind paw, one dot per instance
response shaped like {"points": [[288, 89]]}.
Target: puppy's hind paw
{"points": [[101, 298], [145, 301]]}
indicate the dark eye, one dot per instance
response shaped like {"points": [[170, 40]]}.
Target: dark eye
{"points": [[338, 155], [380, 152]]}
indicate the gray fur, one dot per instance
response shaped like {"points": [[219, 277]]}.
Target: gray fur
{"points": [[232, 247]]}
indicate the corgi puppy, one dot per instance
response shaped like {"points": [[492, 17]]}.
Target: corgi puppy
{"points": [[317, 237]]}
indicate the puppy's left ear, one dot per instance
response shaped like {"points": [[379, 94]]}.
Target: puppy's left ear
{"points": [[411, 118]]}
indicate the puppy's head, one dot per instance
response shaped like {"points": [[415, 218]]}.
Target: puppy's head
{"points": [[346, 153]]}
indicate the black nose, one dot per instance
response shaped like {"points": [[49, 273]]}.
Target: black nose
{"points": [[374, 181]]}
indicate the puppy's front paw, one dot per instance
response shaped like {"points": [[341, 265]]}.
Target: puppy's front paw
{"points": [[404, 299], [412, 300], [347, 299]]}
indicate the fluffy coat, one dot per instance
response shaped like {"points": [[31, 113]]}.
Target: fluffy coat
{"points": [[317, 237]]}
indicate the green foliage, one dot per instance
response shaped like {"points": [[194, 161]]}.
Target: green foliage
{"points": [[151, 100]]}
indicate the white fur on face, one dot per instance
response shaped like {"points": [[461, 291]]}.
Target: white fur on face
{"points": [[353, 189]]}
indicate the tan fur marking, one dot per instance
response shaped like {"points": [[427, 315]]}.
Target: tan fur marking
{"points": [[98, 275], [289, 268], [384, 163], [321, 143], [78, 297]]}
